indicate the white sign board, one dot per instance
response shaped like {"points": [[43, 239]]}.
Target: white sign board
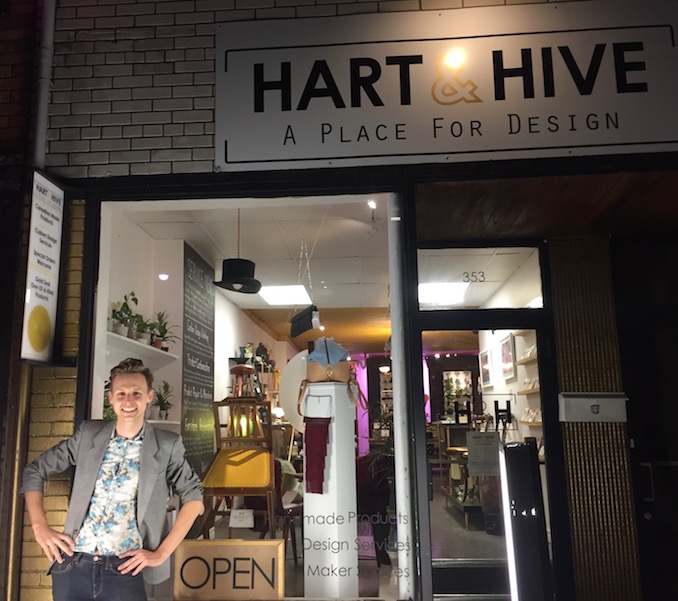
{"points": [[496, 83], [592, 407], [42, 277], [483, 453]]}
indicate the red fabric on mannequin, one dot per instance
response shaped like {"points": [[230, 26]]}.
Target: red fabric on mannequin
{"points": [[316, 437]]}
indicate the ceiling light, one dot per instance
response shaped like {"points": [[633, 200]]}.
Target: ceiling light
{"points": [[304, 321], [372, 204], [163, 276], [285, 295], [536, 303], [450, 293], [384, 369]]}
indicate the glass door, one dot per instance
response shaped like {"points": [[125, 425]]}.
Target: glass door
{"points": [[481, 389]]}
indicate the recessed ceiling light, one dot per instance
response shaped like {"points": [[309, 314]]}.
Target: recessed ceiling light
{"points": [[163, 276], [536, 303], [450, 293], [285, 295]]}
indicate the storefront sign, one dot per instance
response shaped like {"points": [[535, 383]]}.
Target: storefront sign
{"points": [[42, 277], [229, 569], [496, 83]]}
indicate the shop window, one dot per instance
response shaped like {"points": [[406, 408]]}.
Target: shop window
{"points": [[479, 278]]}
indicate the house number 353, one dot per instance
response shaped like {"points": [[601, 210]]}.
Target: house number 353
{"points": [[474, 276]]}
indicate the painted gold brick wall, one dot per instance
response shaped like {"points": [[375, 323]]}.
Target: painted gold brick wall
{"points": [[604, 537], [52, 414], [72, 278]]}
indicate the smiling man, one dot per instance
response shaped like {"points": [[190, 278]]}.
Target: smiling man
{"points": [[116, 527]]}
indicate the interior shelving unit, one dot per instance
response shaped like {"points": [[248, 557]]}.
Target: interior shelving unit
{"points": [[386, 388], [120, 347], [528, 374]]}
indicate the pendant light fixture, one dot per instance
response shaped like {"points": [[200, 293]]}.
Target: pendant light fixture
{"points": [[238, 274]]}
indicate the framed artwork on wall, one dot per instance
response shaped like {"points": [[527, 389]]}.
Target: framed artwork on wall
{"points": [[508, 357], [484, 359]]}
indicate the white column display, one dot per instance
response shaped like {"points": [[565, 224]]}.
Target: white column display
{"points": [[330, 518]]}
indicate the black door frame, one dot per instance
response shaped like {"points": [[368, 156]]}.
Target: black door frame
{"points": [[540, 320]]}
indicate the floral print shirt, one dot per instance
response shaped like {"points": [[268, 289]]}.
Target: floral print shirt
{"points": [[110, 527]]}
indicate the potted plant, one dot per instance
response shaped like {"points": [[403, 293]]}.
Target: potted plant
{"points": [[143, 328], [162, 331], [109, 413], [163, 394], [122, 314]]}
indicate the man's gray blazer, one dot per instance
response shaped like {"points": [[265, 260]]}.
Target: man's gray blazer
{"points": [[164, 472]]}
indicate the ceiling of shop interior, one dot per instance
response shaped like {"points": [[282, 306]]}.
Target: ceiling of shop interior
{"points": [[347, 243]]}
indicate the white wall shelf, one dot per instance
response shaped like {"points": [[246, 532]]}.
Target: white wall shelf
{"points": [[527, 360], [120, 347]]}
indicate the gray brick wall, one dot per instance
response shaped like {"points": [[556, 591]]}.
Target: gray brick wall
{"points": [[133, 81]]}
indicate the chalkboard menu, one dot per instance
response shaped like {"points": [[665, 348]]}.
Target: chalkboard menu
{"points": [[198, 360]]}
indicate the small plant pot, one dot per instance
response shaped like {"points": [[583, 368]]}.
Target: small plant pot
{"points": [[119, 328], [156, 343], [144, 338]]}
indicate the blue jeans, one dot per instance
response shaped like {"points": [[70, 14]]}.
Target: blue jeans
{"points": [[85, 577]]}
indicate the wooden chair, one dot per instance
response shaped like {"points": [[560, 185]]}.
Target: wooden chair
{"points": [[244, 462], [239, 471], [287, 508], [238, 421]]}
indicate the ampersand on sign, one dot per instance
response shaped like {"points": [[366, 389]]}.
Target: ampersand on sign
{"points": [[448, 89]]}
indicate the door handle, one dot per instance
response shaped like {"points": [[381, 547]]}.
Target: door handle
{"points": [[650, 471]]}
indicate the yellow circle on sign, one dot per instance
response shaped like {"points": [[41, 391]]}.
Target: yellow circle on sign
{"points": [[39, 326]]}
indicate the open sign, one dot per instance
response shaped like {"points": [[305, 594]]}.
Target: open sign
{"points": [[229, 569]]}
